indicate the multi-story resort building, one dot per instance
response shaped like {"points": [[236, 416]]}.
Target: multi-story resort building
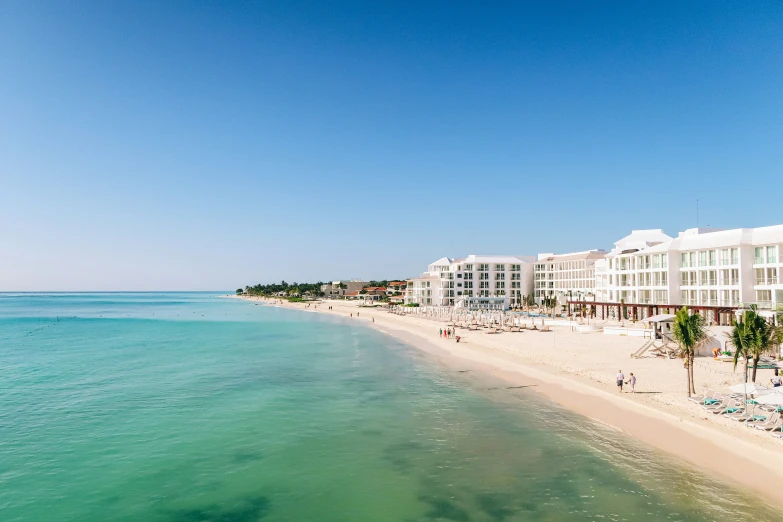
{"points": [[566, 275], [715, 272], [712, 271], [474, 282]]}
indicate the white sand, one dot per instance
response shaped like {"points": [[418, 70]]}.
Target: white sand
{"points": [[578, 370]]}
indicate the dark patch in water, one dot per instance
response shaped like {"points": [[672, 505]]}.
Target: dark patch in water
{"points": [[444, 509], [245, 455], [248, 509], [399, 455], [376, 433], [495, 505]]}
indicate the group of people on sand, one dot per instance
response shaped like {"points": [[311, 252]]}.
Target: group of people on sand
{"points": [[448, 333], [621, 379]]}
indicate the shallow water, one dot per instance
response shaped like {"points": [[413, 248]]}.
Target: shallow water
{"points": [[187, 407]]}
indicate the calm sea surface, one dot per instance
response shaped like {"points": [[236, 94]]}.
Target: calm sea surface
{"points": [[191, 408]]}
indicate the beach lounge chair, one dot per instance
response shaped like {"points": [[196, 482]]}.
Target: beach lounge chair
{"points": [[715, 399], [700, 398], [719, 407], [745, 414], [767, 424]]}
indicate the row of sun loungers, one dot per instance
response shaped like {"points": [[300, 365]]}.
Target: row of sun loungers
{"points": [[494, 328], [761, 417]]}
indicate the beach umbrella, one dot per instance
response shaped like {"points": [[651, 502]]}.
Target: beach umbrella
{"points": [[750, 388], [772, 398]]}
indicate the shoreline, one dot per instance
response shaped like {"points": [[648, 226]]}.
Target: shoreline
{"points": [[733, 453]]}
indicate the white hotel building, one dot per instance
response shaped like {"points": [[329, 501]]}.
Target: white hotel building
{"points": [[474, 282], [566, 275], [713, 271]]}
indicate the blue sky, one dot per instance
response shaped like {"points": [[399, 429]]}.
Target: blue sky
{"points": [[209, 145]]}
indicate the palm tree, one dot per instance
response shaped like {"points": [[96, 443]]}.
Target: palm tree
{"points": [[756, 336], [741, 339], [689, 330]]}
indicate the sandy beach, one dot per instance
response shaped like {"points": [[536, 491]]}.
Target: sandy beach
{"points": [[577, 370]]}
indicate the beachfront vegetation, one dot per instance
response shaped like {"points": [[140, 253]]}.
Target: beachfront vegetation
{"points": [[753, 336], [240, 291], [293, 289], [689, 330]]}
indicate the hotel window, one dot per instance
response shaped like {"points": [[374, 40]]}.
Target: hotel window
{"points": [[469, 275], [759, 255], [703, 297], [500, 275], [500, 268], [500, 284], [683, 260], [735, 297], [515, 268], [703, 258], [684, 278], [484, 284], [763, 296], [483, 268], [684, 297], [772, 276], [500, 293], [468, 284], [484, 276], [703, 278], [711, 257], [759, 276], [469, 293], [664, 278], [734, 276], [516, 277], [468, 268], [459, 276], [771, 255], [713, 297], [734, 256], [459, 285]]}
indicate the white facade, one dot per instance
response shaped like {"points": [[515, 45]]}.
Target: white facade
{"points": [[450, 282], [700, 267], [566, 275]]}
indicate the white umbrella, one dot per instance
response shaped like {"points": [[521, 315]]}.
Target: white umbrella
{"points": [[750, 388], [772, 398]]}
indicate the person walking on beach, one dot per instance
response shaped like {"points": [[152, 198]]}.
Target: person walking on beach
{"points": [[632, 382], [775, 380], [351, 314], [440, 332], [620, 379]]}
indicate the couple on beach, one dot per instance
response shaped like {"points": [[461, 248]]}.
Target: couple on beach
{"points": [[621, 379]]}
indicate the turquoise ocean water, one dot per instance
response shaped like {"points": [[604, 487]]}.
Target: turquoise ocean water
{"points": [[191, 408]]}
